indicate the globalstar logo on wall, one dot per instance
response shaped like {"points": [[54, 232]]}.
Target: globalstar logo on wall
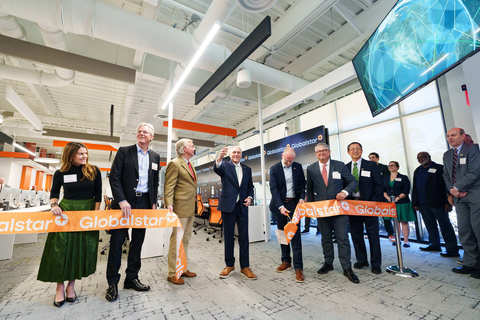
{"points": [[11, 223]]}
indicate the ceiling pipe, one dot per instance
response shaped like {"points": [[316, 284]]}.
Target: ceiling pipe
{"points": [[98, 19], [32, 76]]}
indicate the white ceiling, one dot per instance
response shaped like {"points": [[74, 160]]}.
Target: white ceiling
{"points": [[305, 43]]}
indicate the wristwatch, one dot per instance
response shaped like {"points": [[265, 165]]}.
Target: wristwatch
{"points": [[53, 204]]}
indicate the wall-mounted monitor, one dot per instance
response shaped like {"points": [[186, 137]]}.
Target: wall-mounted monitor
{"points": [[418, 41]]}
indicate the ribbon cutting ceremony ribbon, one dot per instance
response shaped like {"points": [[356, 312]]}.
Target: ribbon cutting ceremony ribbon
{"points": [[12, 222], [330, 208]]}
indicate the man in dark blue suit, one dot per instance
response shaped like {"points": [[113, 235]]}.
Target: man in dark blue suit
{"points": [[370, 188], [287, 185], [236, 196], [328, 180]]}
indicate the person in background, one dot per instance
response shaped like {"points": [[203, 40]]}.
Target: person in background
{"points": [[429, 197], [373, 156], [398, 185], [70, 256], [468, 138], [287, 186], [2, 184]]}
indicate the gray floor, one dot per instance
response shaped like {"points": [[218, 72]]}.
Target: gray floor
{"points": [[437, 294]]}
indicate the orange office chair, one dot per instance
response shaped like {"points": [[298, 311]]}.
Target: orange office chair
{"points": [[202, 213], [215, 220]]}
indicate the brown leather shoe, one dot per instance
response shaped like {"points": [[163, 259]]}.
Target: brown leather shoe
{"points": [[188, 274], [248, 272], [299, 275], [284, 266], [175, 281], [226, 272]]}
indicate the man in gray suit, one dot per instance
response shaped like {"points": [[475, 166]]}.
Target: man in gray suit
{"points": [[327, 180], [462, 177]]}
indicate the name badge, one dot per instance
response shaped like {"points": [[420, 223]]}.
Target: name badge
{"points": [[463, 160], [69, 178], [336, 175], [432, 170], [365, 174], [154, 166], [398, 179]]}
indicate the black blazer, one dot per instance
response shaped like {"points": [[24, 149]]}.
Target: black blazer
{"points": [[124, 176], [278, 185], [371, 188], [435, 188], [230, 187], [316, 189], [402, 186]]}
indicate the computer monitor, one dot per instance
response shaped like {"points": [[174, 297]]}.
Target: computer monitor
{"points": [[6, 194], [26, 195], [41, 198], [15, 196]]}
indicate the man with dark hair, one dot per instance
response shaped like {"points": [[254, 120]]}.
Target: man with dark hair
{"points": [[462, 178], [370, 188], [429, 197]]}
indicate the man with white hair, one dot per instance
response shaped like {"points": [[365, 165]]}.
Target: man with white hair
{"points": [[180, 197]]}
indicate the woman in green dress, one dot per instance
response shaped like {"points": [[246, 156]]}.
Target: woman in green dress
{"points": [[398, 185], [69, 256]]}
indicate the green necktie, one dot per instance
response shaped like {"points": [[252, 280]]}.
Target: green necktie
{"points": [[355, 174]]}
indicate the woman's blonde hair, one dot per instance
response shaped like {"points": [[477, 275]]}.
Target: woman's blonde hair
{"points": [[69, 152]]}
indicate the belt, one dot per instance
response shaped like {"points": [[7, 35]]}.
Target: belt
{"points": [[357, 198], [289, 199], [140, 194]]}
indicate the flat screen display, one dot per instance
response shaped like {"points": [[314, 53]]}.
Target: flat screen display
{"points": [[418, 41]]}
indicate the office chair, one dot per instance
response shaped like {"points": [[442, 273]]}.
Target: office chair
{"points": [[202, 213], [215, 220]]}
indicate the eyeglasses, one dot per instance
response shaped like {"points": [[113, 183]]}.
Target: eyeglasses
{"points": [[392, 165], [322, 151]]}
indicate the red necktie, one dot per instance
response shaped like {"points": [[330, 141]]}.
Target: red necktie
{"points": [[455, 156], [191, 170], [324, 174]]}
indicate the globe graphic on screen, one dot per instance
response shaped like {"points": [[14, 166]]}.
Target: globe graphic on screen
{"points": [[416, 41]]}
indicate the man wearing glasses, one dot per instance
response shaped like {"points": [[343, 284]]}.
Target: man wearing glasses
{"points": [[327, 180]]}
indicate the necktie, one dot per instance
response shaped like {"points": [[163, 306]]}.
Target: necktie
{"points": [[324, 174], [191, 170], [355, 174], [237, 170], [454, 179]]}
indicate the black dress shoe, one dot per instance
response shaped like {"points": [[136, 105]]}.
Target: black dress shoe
{"points": [[376, 270], [464, 270], [360, 265], [58, 304], [325, 268], [112, 293], [71, 300], [430, 248], [350, 275], [475, 275], [450, 254], [136, 285]]}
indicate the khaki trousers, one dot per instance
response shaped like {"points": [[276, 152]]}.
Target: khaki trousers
{"points": [[187, 224]]}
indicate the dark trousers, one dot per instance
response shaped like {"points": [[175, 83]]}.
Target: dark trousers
{"points": [[229, 219], [372, 228], [296, 241], [339, 225], [307, 224], [388, 226], [117, 238], [430, 216]]}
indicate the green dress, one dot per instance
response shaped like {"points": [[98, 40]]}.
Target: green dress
{"points": [[71, 256], [404, 210]]}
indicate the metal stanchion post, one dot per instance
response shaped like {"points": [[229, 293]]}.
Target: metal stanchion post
{"points": [[399, 270]]}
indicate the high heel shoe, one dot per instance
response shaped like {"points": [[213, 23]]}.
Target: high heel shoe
{"points": [[58, 304], [71, 300]]}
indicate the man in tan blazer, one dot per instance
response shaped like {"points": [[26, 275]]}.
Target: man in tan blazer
{"points": [[180, 197]]}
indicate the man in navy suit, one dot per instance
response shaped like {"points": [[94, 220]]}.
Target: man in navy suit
{"points": [[287, 185], [370, 188], [461, 173], [236, 196], [327, 180]]}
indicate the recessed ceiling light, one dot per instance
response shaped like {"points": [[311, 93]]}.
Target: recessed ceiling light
{"points": [[46, 160]]}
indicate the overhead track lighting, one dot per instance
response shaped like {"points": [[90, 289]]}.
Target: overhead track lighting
{"points": [[16, 145], [216, 26]]}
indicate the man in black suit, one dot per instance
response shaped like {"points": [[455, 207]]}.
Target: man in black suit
{"points": [[461, 173], [287, 186], [236, 196], [134, 183], [326, 180], [370, 188], [429, 196], [375, 157]]}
